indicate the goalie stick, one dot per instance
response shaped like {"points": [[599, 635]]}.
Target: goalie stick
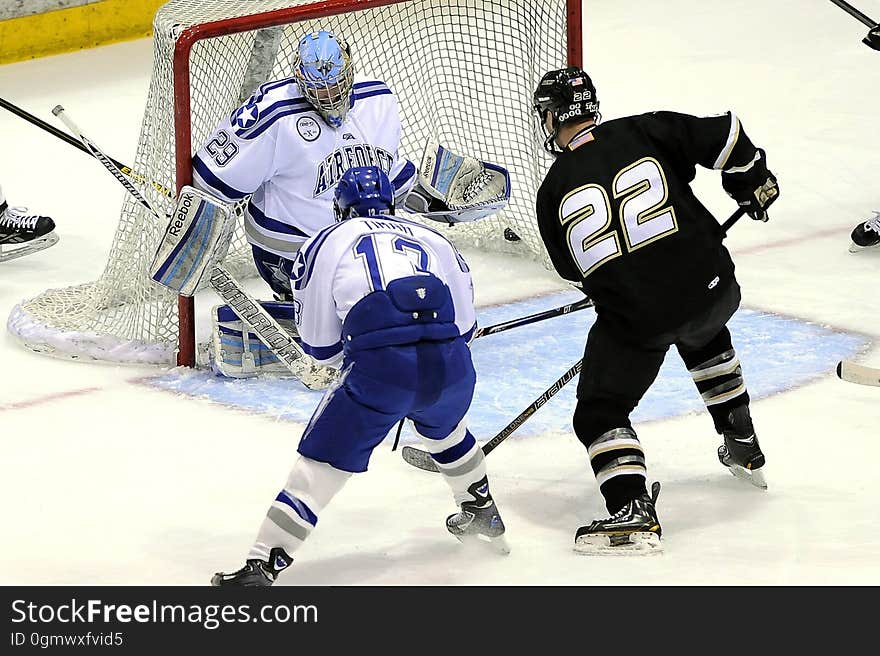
{"points": [[51, 129], [423, 460], [243, 304], [858, 373]]}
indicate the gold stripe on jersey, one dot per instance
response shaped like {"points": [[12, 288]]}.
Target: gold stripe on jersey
{"points": [[732, 138]]}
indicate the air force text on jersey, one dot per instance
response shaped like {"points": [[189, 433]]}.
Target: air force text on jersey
{"points": [[277, 149]]}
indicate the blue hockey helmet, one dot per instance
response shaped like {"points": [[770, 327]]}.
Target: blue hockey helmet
{"points": [[325, 74], [363, 191]]}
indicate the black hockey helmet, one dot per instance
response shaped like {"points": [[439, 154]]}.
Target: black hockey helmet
{"points": [[568, 94]]}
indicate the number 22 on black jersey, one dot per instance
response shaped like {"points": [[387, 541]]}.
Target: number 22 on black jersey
{"points": [[643, 215]]}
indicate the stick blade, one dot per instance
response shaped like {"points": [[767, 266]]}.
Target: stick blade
{"points": [[857, 373], [418, 458]]}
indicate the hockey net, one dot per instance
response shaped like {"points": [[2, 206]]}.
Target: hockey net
{"points": [[463, 71]]}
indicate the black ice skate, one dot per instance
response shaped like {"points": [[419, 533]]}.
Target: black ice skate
{"points": [[741, 453], [634, 529], [479, 520], [255, 573], [22, 233], [866, 235]]}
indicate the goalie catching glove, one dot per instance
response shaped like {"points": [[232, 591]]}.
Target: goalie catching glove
{"points": [[752, 186], [453, 188]]}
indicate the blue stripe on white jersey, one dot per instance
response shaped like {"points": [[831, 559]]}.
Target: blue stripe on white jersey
{"points": [[470, 334], [369, 85], [360, 95], [322, 353], [260, 218], [402, 179], [266, 116], [215, 183], [276, 111], [270, 86], [310, 254], [257, 97]]}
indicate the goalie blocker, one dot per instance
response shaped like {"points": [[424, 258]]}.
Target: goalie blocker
{"points": [[196, 239]]}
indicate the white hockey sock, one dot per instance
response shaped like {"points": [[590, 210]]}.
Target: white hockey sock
{"points": [[467, 464], [294, 513]]}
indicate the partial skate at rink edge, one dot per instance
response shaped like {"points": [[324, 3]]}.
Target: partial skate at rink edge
{"points": [[513, 368]]}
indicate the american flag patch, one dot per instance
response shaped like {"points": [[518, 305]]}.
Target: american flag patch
{"points": [[580, 140]]}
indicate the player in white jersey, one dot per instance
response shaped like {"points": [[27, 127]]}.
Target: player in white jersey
{"points": [[289, 144], [391, 303], [22, 233]]}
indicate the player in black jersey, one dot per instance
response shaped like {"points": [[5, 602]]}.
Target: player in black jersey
{"points": [[618, 217]]}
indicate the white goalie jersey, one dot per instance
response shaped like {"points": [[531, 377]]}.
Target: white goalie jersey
{"points": [[347, 261], [277, 149]]}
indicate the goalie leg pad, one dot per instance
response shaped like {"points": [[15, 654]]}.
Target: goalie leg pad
{"points": [[197, 238], [238, 353]]}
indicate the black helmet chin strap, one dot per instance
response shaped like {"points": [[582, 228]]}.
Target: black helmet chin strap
{"points": [[550, 144]]}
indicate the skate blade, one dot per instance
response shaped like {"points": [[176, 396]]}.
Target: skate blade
{"points": [[38, 244], [753, 476], [498, 545], [640, 544]]}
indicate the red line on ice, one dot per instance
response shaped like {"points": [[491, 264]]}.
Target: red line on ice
{"points": [[757, 248], [20, 405]]}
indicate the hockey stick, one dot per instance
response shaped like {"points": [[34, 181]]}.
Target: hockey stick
{"points": [[258, 320], [733, 218], [30, 118], [571, 307], [423, 460], [534, 318], [499, 328], [858, 373], [871, 40], [855, 13]]}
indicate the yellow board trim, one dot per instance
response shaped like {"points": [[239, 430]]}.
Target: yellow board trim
{"points": [[75, 28]]}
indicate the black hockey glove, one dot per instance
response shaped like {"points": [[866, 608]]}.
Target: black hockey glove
{"points": [[754, 189], [873, 38]]}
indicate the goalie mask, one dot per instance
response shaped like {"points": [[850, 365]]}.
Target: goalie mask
{"points": [[325, 74], [566, 94], [363, 191]]}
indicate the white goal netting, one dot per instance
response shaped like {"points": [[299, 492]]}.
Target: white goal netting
{"points": [[463, 70]]}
